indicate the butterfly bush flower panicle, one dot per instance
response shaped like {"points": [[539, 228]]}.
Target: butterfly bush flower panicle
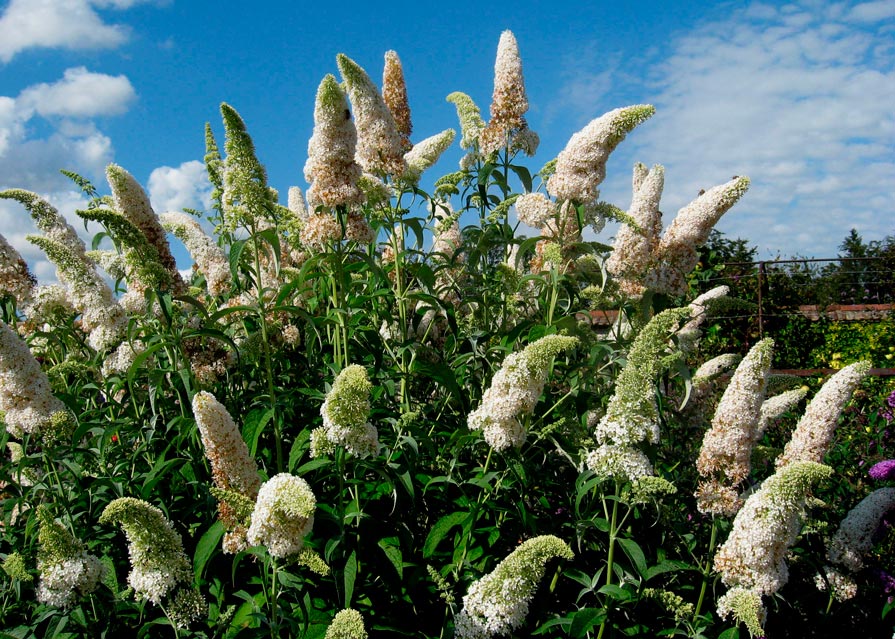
{"points": [[15, 278], [676, 253], [426, 153], [345, 412], [632, 416], [380, 148], [210, 258], [745, 606], [26, 397], [66, 570], [882, 471], [515, 390], [727, 446], [855, 536], [394, 92], [246, 197], [509, 103], [581, 166], [775, 406], [132, 202], [283, 515], [498, 603], [347, 624], [814, 432], [633, 247], [535, 209], [688, 336], [160, 570], [752, 561], [331, 168]]}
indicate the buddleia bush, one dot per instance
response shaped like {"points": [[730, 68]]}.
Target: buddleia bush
{"points": [[388, 407]]}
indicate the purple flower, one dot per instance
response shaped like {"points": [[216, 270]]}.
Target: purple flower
{"points": [[883, 470], [890, 400]]}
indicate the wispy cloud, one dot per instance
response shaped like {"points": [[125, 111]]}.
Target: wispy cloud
{"points": [[799, 97]]}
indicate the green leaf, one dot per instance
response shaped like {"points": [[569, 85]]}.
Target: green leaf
{"points": [[254, 426], [634, 553], [730, 633], [615, 592], [393, 553], [440, 530], [349, 576], [665, 566], [208, 543], [585, 619]]}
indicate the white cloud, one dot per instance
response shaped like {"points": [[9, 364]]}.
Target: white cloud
{"points": [[79, 94], [800, 99], [174, 189]]}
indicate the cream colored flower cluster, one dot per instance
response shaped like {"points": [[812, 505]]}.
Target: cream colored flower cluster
{"points": [[345, 412], [632, 416], [159, 567], [25, 394], [752, 561], [426, 153], [331, 169], [380, 149], [725, 457], [447, 238], [675, 256], [283, 515], [66, 569], [688, 336], [498, 603], [232, 467], [633, 250], [394, 93], [509, 103], [210, 258], [471, 123], [247, 199], [855, 536], [515, 390], [347, 624], [775, 406], [15, 278], [102, 318], [814, 432]]}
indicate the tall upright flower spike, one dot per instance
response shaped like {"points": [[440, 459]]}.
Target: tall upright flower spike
{"points": [[515, 390], [160, 570], [15, 278], [498, 603], [633, 248], [855, 536], [632, 416], [470, 117], [752, 561], [101, 316], [379, 146], [297, 204], [214, 166], [132, 202], [507, 126], [426, 153], [345, 412], [331, 169], [232, 467], [66, 570], [775, 406], [246, 199], [347, 624], [581, 166], [725, 457], [676, 254], [394, 92], [283, 515], [211, 260], [25, 394], [814, 432]]}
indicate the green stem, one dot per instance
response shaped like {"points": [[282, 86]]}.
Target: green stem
{"points": [[706, 569], [610, 559]]}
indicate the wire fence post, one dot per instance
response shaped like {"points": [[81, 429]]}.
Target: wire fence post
{"points": [[761, 276]]}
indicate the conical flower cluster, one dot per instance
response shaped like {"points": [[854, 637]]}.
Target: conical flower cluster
{"points": [[66, 570], [426, 153], [632, 416], [331, 169], [246, 199], [347, 624], [210, 258], [498, 602], [394, 93], [814, 432], [515, 390], [345, 412], [855, 536], [283, 515], [15, 278]]}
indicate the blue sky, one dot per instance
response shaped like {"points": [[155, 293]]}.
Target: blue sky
{"points": [[797, 96]]}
